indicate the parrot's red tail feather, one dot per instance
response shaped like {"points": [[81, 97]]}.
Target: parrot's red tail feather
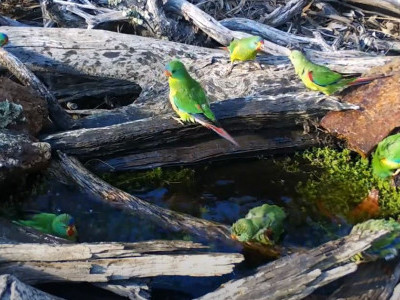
{"points": [[365, 80], [219, 130]]}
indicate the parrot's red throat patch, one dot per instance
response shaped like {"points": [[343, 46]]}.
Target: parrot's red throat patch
{"points": [[70, 231], [167, 73]]}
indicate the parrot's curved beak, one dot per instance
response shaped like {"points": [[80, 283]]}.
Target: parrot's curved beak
{"points": [[259, 45], [167, 73]]}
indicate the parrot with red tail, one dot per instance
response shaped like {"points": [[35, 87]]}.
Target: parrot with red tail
{"points": [[321, 78], [189, 100]]}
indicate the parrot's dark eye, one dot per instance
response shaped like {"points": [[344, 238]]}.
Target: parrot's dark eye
{"points": [[173, 71]]}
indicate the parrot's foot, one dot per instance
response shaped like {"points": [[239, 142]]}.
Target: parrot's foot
{"points": [[229, 70], [258, 64], [178, 120]]}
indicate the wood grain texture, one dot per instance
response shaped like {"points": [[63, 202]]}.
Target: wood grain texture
{"points": [[298, 275], [103, 262]]}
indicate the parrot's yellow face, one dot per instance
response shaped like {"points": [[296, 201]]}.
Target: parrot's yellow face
{"points": [[296, 56]]}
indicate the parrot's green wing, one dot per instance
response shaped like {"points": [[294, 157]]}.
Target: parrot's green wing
{"points": [[192, 99], [41, 222], [233, 45], [321, 75], [262, 224]]}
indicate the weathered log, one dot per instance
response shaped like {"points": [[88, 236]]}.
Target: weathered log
{"points": [[212, 27], [101, 262], [375, 280], [162, 133], [19, 154], [79, 88], [15, 66], [134, 290], [11, 233], [202, 229], [298, 275], [283, 14], [13, 289], [270, 33], [390, 5]]}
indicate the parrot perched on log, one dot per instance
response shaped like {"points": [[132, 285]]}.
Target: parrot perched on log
{"points": [[321, 78], [386, 158], [245, 49], [62, 225], [3, 39], [189, 100]]}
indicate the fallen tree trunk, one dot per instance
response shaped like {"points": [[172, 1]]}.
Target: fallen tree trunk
{"points": [[11, 233], [39, 263], [375, 280], [390, 5], [298, 275], [13, 289], [175, 221]]}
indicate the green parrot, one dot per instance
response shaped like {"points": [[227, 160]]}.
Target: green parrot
{"points": [[385, 247], [262, 224], [321, 78], [189, 100], [3, 39], [386, 158], [60, 225], [245, 49]]}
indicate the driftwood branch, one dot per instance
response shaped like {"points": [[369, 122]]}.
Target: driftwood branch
{"points": [[374, 280], [212, 27], [390, 5], [13, 289], [11, 234], [202, 229], [298, 275], [38, 263], [15, 66], [283, 14]]}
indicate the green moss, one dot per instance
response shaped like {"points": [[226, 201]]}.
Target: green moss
{"points": [[10, 113], [339, 182], [133, 181]]}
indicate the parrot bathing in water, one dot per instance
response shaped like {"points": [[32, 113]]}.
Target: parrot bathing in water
{"points": [[60, 225], [3, 39], [321, 78], [386, 158], [189, 100]]}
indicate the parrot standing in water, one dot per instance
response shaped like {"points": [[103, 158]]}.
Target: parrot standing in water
{"points": [[321, 78], [386, 158], [3, 39], [189, 100], [60, 225], [244, 49]]}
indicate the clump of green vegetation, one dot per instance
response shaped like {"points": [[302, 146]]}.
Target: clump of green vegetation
{"points": [[133, 181], [338, 181]]}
